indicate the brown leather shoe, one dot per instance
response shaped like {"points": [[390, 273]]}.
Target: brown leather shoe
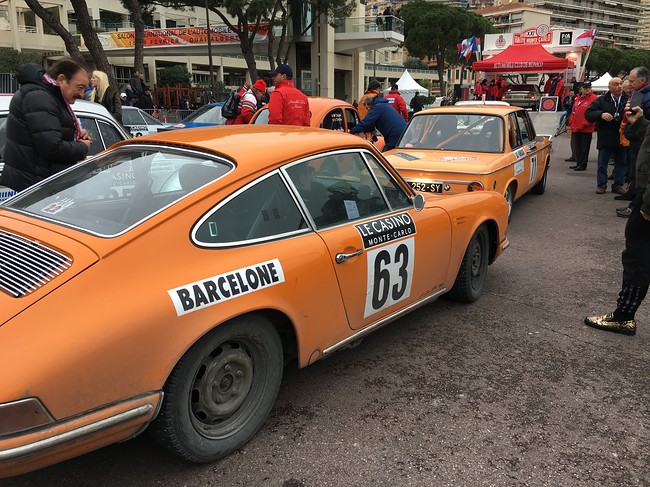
{"points": [[618, 190], [607, 323], [600, 190]]}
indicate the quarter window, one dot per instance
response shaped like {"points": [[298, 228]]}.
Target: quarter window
{"points": [[262, 211]]}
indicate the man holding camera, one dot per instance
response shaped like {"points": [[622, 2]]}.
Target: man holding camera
{"points": [[607, 112]]}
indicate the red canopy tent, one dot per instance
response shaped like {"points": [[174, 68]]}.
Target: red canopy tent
{"points": [[531, 58]]}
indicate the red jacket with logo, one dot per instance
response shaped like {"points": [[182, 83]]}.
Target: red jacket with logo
{"points": [[398, 103], [578, 122], [288, 105]]}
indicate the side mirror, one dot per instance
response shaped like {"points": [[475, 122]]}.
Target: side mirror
{"points": [[418, 201]]}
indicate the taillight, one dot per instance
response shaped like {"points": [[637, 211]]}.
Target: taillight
{"points": [[475, 186]]}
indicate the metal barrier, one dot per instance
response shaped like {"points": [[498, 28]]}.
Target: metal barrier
{"points": [[8, 84], [168, 116]]}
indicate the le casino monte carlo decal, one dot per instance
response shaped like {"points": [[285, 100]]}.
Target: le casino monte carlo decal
{"points": [[390, 260], [223, 287]]}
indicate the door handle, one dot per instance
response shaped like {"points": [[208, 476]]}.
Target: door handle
{"points": [[340, 258]]}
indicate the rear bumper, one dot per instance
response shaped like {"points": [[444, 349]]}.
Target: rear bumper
{"points": [[34, 449]]}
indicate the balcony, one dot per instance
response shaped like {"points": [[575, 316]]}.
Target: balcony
{"points": [[359, 34]]}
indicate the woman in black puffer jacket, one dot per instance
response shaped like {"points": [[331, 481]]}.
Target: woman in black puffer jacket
{"points": [[43, 134]]}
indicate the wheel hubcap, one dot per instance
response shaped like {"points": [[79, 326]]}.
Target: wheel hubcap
{"points": [[224, 380]]}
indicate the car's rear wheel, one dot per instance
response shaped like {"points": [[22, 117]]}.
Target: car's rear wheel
{"points": [[540, 187], [221, 391], [510, 198], [473, 269]]}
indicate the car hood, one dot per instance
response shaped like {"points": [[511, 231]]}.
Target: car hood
{"points": [[407, 161], [34, 261]]}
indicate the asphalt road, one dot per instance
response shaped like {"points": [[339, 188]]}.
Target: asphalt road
{"points": [[511, 391]]}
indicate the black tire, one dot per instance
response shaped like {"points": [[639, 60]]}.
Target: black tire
{"points": [[221, 391], [473, 270], [510, 198], [540, 187]]}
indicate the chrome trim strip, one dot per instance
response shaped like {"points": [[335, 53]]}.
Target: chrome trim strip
{"points": [[442, 171], [47, 443], [383, 322]]}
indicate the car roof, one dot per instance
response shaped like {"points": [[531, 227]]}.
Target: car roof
{"points": [[80, 107], [500, 110], [476, 103], [254, 147]]}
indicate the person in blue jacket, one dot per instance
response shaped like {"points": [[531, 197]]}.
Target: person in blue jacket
{"points": [[383, 117]]}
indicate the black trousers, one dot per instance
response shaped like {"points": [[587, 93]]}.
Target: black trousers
{"points": [[580, 144], [636, 256]]}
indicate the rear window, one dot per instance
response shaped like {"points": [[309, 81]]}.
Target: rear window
{"points": [[115, 191], [523, 88]]}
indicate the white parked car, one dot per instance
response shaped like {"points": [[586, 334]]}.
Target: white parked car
{"points": [[101, 126], [138, 122]]}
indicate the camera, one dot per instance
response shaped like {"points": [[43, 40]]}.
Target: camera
{"points": [[617, 116]]}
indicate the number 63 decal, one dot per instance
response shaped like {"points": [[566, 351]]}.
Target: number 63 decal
{"points": [[390, 275]]}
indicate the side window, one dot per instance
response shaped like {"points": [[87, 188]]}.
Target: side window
{"points": [[131, 117], [523, 128], [262, 117], [263, 210], [513, 131], [527, 126], [395, 195], [110, 134], [90, 125], [351, 118], [334, 120], [337, 188]]}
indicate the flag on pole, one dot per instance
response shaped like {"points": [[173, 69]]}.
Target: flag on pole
{"points": [[586, 38], [467, 47]]}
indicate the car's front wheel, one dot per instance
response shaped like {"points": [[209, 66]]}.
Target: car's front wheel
{"points": [[473, 269], [510, 198], [221, 391]]}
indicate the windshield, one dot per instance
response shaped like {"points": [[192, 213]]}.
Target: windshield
{"points": [[455, 132], [206, 114], [110, 193]]}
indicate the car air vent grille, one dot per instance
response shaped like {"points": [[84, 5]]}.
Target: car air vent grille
{"points": [[26, 265]]}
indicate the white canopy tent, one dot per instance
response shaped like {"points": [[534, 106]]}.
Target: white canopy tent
{"points": [[602, 83], [408, 86]]}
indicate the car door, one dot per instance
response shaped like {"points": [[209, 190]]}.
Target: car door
{"points": [[533, 165], [386, 255]]}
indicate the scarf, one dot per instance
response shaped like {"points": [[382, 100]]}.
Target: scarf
{"points": [[77, 126]]}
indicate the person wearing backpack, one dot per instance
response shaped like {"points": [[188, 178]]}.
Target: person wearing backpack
{"points": [[248, 103]]}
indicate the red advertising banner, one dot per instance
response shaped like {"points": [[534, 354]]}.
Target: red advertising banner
{"points": [[536, 35], [179, 37]]}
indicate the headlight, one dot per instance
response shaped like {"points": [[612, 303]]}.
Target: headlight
{"points": [[23, 415]]}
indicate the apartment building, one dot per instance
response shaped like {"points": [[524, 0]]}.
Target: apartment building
{"points": [[327, 61]]}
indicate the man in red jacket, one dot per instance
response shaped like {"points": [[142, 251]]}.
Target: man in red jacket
{"points": [[287, 105], [397, 102], [581, 129]]}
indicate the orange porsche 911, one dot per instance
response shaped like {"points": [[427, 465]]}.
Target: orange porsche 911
{"points": [[164, 283], [457, 149]]}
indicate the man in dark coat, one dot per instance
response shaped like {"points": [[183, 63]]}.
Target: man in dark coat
{"points": [[43, 134], [608, 111], [416, 103], [384, 118]]}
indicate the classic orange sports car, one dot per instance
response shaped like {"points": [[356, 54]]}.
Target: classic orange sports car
{"points": [[457, 149], [326, 113], [166, 281]]}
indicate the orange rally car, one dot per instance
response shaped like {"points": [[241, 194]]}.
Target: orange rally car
{"points": [[164, 282], [457, 149]]}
